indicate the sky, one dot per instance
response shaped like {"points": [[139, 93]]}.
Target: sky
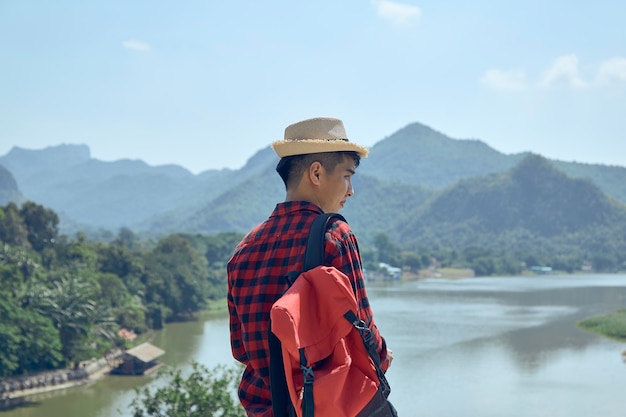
{"points": [[207, 84]]}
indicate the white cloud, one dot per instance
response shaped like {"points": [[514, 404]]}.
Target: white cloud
{"points": [[564, 71], [505, 81], [397, 13], [136, 45], [612, 70]]}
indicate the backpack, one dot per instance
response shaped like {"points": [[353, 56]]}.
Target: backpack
{"points": [[323, 361]]}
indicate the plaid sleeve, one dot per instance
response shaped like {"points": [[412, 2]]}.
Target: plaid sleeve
{"points": [[238, 350], [343, 253]]}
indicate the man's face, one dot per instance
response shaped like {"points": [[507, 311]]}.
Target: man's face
{"points": [[337, 186]]}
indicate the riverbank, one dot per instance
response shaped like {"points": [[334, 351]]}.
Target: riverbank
{"points": [[450, 273], [15, 388]]}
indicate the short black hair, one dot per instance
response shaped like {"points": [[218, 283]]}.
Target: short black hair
{"points": [[291, 168]]}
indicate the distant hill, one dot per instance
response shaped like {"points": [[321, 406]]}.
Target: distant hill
{"points": [[99, 194], [25, 163], [230, 201], [417, 154], [396, 187], [244, 206], [9, 192]]}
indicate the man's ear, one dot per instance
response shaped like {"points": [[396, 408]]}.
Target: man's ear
{"points": [[315, 170]]}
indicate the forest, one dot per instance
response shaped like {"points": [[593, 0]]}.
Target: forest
{"points": [[63, 300]]}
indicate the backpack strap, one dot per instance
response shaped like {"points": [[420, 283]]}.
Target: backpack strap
{"points": [[368, 340], [313, 256]]}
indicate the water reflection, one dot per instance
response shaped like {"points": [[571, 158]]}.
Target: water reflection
{"points": [[502, 346]]}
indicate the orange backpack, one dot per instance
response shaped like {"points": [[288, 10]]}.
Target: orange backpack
{"points": [[323, 361]]}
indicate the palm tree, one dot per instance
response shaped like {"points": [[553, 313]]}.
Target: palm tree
{"points": [[70, 303]]}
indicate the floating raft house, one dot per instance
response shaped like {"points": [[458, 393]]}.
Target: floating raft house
{"points": [[140, 360]]}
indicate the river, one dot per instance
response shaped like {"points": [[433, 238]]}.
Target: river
{"points": [[497, 346]]}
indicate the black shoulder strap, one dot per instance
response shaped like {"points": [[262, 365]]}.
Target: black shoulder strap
{"points": [[313, 256]]}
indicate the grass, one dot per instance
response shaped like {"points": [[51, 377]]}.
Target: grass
{"points": [[612, 325], [455, 272]]}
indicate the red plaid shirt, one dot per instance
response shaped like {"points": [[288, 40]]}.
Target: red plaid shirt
{"points": [[256, 278]]}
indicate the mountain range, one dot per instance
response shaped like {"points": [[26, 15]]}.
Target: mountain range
{"points": [[418, 185]]}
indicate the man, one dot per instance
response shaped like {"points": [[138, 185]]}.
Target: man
{"points": [[317, 164]]}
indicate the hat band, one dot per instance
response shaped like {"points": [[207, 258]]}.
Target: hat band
{"points": [[327, 140]]}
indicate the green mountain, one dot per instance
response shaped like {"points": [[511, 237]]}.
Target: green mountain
{"points": [[417, 154], [527, 206], [422, 156]]}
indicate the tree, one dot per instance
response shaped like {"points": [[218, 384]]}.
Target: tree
{"points": [[117, 260], [126, 238], [176, 277], [28, 341], [70, 302], [9, 336], [13, 231], [18, 268], [203, 393], [604, 262], [219, 248], [126, 308], [41, 224], [412, 260], [388, 252], [483, 266]]}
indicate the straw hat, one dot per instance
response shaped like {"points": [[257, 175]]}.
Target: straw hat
{"points": [[321, 134]]}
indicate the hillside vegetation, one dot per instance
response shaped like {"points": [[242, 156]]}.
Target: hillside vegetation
{"points": [[64, 300]]}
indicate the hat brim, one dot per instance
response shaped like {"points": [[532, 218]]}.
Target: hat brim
{"points": [[285, 148]]}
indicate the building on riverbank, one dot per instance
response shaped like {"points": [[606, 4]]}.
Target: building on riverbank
{"points": [[140, 360]]}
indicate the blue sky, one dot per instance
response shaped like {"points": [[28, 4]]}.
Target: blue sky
{"points": [[206, 84]]}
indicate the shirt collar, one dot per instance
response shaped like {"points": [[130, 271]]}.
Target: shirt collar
{"points": [[290, 207]]}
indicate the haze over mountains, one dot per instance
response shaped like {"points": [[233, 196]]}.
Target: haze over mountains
{"points": [[418, 185]]}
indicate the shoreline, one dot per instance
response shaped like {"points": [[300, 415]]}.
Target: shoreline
{"points": [[16, 388]]}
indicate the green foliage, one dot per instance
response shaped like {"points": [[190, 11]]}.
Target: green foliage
{"points": [[203, 393], [176, 277], [28, 340], [64, 299], [12, 228], [41, 224], [70, 302], [413, 261], [386, 251], [611, 325], [9, 336], [220, 247], [533, 215]]}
